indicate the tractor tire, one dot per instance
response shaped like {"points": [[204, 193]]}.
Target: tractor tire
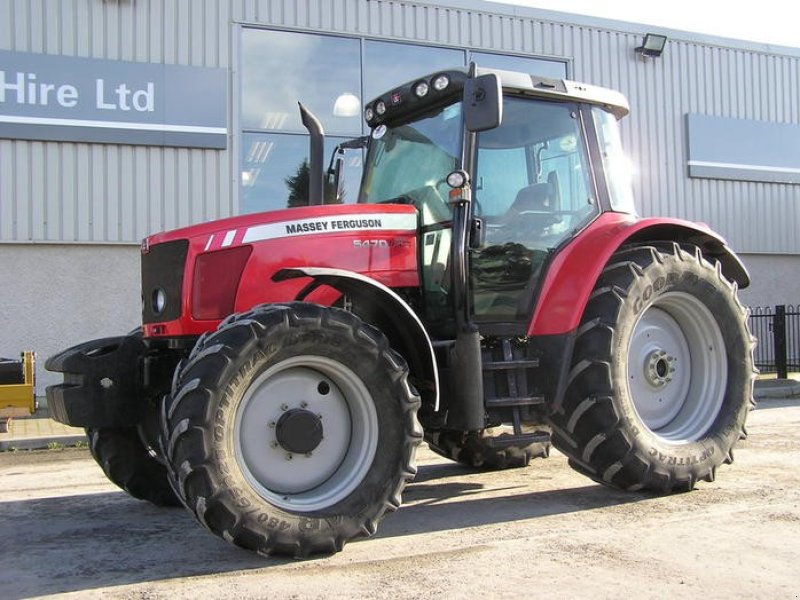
{"points": [[292, 429], [486, 449], [662, 373], [129, 464]]}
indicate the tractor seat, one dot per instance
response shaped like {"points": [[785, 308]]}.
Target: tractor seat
{"points": [[528, 217], [534, 197]]}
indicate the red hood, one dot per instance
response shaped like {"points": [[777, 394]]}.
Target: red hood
{"points": [[262, 218]]}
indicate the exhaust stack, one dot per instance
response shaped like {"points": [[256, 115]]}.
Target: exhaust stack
{"points": [[316, 186]]}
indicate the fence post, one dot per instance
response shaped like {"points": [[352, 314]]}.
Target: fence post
{"points": [[779, 339]]}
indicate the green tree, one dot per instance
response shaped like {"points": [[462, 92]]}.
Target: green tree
{"points": [[298, 185]]}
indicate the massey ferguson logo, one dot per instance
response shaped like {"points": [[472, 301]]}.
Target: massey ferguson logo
{"points": [[371, 222], [332, 225]]}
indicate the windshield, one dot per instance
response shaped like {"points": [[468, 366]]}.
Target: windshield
{"points": [[409, 163]]}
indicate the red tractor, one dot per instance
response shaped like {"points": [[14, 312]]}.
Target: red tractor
{"points": [[491, 291]]}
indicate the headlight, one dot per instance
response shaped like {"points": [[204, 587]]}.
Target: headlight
{"points": [[380, 107], [369, 114], [159, 300], [457, 179], [441, 82], [421, 89]]}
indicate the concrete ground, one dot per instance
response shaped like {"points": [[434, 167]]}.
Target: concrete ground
{"points": [[66, 532]]}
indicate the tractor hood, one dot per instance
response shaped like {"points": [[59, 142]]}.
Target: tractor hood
{"points": [[194, 276], [322, 214]]}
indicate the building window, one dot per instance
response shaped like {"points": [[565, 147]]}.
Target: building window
{"points": [[333, 76], [389, 64], [274, 171], [554, 69], [280, 68]]}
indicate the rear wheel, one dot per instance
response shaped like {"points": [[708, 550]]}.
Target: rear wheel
{"points": [[292, 429], [130, 464], [662, 373], [488, 449]]}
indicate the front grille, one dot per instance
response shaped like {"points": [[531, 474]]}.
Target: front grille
{"points": [[162, 268]]}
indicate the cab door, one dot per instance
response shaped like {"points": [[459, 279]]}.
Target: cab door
{"points": [[533, 191]]}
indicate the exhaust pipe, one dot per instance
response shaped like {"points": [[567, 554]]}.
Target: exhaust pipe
{"points": [[316, 153]]}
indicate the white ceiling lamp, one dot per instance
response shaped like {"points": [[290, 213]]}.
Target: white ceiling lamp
{"points": [[347, 105]]}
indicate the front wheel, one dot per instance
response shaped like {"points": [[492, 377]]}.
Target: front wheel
{"points": [[292, 429], [662, 373], [130, 464]]}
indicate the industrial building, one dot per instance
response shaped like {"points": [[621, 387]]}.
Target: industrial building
{"points": [[121, 118]]}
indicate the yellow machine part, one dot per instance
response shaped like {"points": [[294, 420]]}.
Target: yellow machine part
{"points": [[19, 400]]}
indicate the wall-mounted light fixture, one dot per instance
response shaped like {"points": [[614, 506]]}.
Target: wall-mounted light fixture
{"points": [[652, 45]]}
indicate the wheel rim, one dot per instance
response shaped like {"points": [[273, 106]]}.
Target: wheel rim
{"points": [[677, 368], [291, 403]]}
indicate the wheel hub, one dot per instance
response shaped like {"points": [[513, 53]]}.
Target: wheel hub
{"points": [[281, 445], [659, 368], [677, 367], [299, 431]]}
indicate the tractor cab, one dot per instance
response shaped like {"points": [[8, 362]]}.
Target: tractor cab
{"points": [[526, 147]]}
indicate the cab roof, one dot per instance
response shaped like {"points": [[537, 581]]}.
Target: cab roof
{"points": [[402, 103], [563, 89]]}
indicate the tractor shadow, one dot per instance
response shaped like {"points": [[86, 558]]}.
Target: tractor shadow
{"points": [[437, 502], [87, 542]]}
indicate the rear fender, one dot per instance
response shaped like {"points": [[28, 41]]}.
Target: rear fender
{"points": [[574, 271], [384, 309]]}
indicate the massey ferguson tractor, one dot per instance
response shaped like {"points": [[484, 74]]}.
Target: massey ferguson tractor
{"points": [[492, 291]]}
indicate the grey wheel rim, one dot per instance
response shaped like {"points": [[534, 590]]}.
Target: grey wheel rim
{"points": [[322, 389], [677, 368]]}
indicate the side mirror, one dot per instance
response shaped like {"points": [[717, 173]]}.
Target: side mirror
{"points": [[335, 179], [483, 102]]}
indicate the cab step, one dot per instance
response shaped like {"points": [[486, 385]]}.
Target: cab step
{"points": [[521, 439]]}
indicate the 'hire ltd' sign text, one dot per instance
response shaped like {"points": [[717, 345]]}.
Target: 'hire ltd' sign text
{"points": [[46, 97], [25, 89]]}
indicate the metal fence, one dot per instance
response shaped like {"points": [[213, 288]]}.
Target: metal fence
{"points": [[777, 329]]}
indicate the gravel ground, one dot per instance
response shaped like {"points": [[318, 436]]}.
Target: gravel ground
{"points": [[67, 532]]}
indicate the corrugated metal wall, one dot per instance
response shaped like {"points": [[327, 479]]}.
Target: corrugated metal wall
{"points": [[77, 192], [51, 191]]}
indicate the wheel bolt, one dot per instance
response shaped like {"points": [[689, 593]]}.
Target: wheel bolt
{"points": [[289, 456], [309, 454], [284, 407], [273, 444], [303, 404], [271, 424]]}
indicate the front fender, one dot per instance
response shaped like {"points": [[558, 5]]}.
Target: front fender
{"points": [[574, 271], [399, 322]]}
